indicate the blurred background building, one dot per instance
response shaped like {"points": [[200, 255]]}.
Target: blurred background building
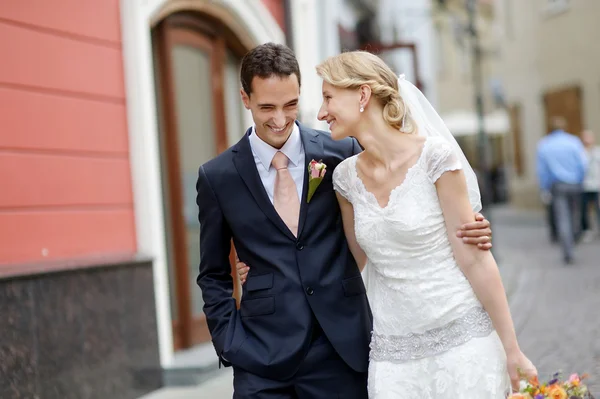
{"points": [[458, 89], [549, 67], [107, 109]]}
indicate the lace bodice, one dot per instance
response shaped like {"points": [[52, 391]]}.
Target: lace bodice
{"points": [[414, 284]]}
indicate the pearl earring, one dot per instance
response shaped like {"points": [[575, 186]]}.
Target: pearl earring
{"points": [[362, 109]]}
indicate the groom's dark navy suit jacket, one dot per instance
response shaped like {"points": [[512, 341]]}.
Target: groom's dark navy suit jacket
{"points": [[292, 281]]}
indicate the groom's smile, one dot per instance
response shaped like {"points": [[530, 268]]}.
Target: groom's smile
{"points": [[278, 130]]}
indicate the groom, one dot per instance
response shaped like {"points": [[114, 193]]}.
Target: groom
{"points": [[304, 324]]}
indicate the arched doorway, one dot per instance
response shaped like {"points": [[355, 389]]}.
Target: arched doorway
{"points": [[200, 114]]}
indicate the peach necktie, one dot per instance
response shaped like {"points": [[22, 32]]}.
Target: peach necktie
{"points": [[285, 196]]}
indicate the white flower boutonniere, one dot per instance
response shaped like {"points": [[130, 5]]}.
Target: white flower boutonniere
{"points": [[316, 172]]}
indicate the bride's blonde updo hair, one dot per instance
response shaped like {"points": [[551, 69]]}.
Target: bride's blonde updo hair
{"points": [[352, 69]]}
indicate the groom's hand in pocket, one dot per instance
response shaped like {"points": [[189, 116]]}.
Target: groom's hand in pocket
{"points": [[477, 233], [242, 270]]}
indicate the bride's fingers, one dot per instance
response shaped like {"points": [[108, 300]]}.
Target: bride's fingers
{"points": [[242, 270], [515, 381], [531, 373]]}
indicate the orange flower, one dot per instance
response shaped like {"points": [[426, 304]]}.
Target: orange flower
{"points": [[520, 396], [556, 392]]}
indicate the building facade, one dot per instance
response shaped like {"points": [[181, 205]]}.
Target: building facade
{"points": [[405, 30], [108, 109], [429, 41], [454, 55], [550, 67], [76, 296]]}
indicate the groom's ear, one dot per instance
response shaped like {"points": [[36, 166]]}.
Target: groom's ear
{"points": [[245, 98]]}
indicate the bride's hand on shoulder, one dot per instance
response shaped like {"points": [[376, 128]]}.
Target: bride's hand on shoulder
{"points": [[477, 233], [519, 367]]}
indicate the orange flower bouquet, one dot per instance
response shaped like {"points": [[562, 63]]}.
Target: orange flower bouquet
{"points": [[573, 388]]}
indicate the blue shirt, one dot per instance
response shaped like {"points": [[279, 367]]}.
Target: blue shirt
{"points": [[560, 158]]}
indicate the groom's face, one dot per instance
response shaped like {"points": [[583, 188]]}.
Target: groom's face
{"points": [[274, 107]]}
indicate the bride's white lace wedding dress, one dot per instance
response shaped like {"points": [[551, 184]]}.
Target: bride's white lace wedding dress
{"points": [[431, 337]]}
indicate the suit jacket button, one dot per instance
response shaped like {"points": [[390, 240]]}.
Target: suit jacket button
{"points": [[309, 291], [299, 246]]}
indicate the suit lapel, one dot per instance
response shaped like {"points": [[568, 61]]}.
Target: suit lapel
{"points": [[246, 167], [313, 149]]}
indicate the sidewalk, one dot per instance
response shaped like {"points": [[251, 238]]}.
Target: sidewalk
{"points": [[218, 387], [555, 308]]}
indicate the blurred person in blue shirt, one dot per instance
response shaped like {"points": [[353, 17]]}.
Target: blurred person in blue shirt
{"points": [[561, 168]]}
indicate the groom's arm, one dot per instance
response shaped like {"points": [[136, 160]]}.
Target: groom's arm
{"points": [[214, 278]]}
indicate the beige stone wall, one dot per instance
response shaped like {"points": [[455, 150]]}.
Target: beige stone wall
{"points": [[541, 52], [454, 58]]}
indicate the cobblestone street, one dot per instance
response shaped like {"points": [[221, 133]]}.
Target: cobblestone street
{"points": [[556, 308]]}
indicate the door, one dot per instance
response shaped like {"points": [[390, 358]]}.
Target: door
{"points": [[565, 102], [199, 118]]}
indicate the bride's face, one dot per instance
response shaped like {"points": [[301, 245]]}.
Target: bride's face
{"points": [[340, 109]]}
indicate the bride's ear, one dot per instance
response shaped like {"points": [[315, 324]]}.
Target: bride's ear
{"points": [[365, 95]]}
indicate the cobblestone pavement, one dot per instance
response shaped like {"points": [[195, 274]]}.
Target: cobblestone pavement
{"points": [[556, 308]]}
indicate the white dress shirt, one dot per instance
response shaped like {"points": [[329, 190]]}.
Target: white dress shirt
{"points": [[263, 156]]}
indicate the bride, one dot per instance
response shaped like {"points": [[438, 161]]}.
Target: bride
{"points": [[442, 328]]}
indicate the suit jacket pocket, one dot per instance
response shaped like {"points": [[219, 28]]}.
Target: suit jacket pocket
{"points": [[260, 282], [258, 306], [354, 286]]}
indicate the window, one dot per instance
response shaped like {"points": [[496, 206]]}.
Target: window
{"points": [[439, 48]]}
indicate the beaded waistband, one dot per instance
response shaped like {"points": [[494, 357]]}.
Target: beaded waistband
{"points": [[402, 348]]}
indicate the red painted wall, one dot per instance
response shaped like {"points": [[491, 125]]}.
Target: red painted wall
{"points": [[277, 11], [65, 186]]}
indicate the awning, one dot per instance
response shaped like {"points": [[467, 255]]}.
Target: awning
{"points": [[466, 123]]}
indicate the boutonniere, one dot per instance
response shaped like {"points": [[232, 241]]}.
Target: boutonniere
{"points": [[316, 172]]}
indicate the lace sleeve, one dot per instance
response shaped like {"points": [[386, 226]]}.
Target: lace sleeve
{"points": [[441, 158], [341, 179]]}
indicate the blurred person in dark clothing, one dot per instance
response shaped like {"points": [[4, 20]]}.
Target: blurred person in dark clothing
{"points": [[561, 167], [591, 185], [546, 198]]}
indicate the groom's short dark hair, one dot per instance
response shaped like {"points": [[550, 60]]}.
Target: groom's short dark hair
{"points": [[267, 60]]}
